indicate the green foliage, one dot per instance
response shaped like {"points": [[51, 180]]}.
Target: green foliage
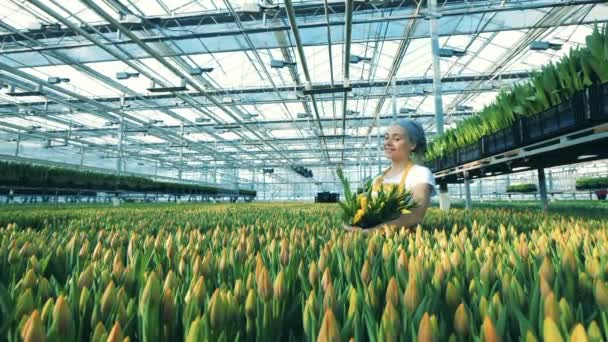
{"points": [[272, 272], [553, 84], [595, 183], [522, 188], [36, 176]]}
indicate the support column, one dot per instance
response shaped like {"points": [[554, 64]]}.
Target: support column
{"points": [[479, 189], [542, 186], [394, 86], [81, 156], [181, 154], [507, 184], [434, 30], [120, 133], [444, 197], [17, 145], [379, 150], [467, 190]]}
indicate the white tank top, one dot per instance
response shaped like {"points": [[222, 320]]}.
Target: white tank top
{"points": [[417, 174]]}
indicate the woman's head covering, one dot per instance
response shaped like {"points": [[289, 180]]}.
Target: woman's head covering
{"points": [[415, 132]]}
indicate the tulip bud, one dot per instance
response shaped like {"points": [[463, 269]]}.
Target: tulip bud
{"points": [[402, 262], [197, 268], [62, 318], [170, 281], [601, 294], [593, 268], [284, 257], [13, 256], [392, 292], [551, 307], [116, 334], [25, 303], [279, 286], [486, 274], [452, 295], [365, 273], [569, 261], [182, 266], [264, 284], [594, 333], [198, 291], [330, 331], [530, 337], [108, 300], [83, 300], [152, 291], [551, 331], [239, 291], [411, 298], [387, 251], [483, 306], [425, 331], [86, 277], [565, 312], [250, 281], [250, 304], [329, 298], [461, 321], [216, 309], [99, 333], [223, 265], [167, 306], [584, 282], [391, 322], [47, 310], [353, 303], [33, 329], [104, 279], [29, 280], [195, 332], [326, 279], [488, 330], [313, 274], [578, 334], [309, 315], [546, 270]]}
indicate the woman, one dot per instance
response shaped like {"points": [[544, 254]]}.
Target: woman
{"points": [[404, 141]]}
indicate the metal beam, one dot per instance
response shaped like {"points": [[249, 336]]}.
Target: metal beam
{"points": [[458, 19], [407, 87]]}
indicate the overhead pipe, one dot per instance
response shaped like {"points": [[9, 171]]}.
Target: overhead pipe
{"points": [[103, 46], [308, 85], [172, 68], [146, 48], [348, 30]]}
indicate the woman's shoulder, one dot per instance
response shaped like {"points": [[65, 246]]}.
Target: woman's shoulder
{"points": [[421, 172]]}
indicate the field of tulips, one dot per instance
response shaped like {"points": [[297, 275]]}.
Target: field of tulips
{"points": [[289, 272]]}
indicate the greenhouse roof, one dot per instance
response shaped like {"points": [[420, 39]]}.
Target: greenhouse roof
{"points": [[202, 83]]}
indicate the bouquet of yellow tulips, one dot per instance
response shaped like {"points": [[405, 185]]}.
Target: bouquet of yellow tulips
{"points": [[369, 209]]}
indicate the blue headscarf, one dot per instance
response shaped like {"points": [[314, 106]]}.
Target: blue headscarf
{"points": [[415, 132]]}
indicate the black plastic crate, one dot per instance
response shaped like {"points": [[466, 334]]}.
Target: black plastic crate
{"points": [[598, 98], [469, 153], [502, 140], [451, 160], [565, 117]]}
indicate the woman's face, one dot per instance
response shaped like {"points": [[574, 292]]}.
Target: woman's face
{"points": [[397, 145]]}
